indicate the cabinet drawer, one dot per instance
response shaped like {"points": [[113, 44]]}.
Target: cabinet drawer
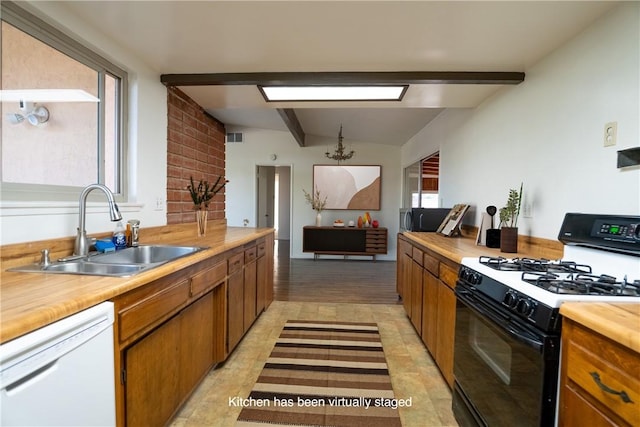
{"points": [[208, 278], [149, 310], [404, 247], [234, 263], [604, 369], [431, 264], [262, 249], [416, 254], [249, 255], [448, 275]]}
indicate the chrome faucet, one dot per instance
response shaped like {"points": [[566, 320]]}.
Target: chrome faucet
{"points": [[82, 244]]}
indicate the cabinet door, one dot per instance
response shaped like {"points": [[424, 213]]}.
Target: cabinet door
{"points": [[235, 310], [261, 286], [430, 311], [268, 254], [405, 286], [197, 338], [152, 376], [416, 296], [577, 411], [250, 293], [446, 331]]}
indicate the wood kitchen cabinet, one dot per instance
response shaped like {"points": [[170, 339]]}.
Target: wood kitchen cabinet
{"points": [[403, 273], [172, 331], [165, 343], [264, 272], [152, 375], [235, 301], [250, 287], [599, 380], [416, 290], [426, 282]]}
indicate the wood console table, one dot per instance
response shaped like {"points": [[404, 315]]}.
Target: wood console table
{"points": [[344, 241]]}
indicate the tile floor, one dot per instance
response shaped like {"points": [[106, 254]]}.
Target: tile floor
{"points": [[412, 370]]}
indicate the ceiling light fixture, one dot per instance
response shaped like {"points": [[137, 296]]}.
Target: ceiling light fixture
{"points": [[339, 154], [46, 95], [333, 93]]}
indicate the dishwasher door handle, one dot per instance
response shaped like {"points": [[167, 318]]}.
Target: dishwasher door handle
{"points": [[31, 379]]}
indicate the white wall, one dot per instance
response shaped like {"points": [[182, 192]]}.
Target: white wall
{"points": [[548, 133], [22, 221], [284, 211], [241, 161]]}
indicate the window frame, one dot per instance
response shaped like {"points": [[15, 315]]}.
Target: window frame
{"points": [[55, 38]]}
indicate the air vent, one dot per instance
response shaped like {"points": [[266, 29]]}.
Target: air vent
{"points": [[234, 137]]}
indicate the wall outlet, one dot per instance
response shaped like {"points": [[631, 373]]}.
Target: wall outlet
{"points": [[159, 204], [527, 210], [610, 133]]}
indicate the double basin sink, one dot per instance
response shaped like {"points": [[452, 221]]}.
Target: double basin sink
{"points": [[125, 262]]}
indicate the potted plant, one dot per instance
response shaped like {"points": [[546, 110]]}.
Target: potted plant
{"points": [[201, 196], [509, 221], [317, 204]]}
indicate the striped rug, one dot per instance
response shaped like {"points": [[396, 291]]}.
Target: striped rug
{"points": [[323, 374]]}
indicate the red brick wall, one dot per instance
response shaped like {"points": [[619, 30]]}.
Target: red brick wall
{"points": [[195, 147]]}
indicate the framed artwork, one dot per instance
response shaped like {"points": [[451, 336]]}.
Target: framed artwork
{"points": [[349, 187]]}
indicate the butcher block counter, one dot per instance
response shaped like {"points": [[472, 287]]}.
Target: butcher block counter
{"points": [[31, 300], [620, 322], [456, 248], [600, 367]]}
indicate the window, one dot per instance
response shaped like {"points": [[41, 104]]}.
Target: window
{"points": [[81, 142], [421, 183]]}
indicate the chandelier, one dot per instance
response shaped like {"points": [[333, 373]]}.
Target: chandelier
{"points": [[340, 154]]}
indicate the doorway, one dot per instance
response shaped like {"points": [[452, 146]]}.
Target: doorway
{"points": [[273, 207]]}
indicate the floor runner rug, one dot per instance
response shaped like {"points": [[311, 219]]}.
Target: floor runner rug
{"points": [[323, 374]]}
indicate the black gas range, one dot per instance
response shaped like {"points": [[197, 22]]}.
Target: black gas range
{"points": [[508, 323]]}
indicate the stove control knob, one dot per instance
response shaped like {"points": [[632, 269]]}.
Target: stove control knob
{"points": [[511, 299], [525, 307], [475, 278]]}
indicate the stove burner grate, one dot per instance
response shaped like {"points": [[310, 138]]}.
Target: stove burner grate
{"points": [[534, 265], [583, 284]]}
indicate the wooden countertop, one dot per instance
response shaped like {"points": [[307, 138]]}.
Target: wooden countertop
{"points": [[618, 321], [456, 248], [31, 300]]}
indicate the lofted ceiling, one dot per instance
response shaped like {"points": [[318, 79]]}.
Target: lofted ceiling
{"points": [[224, 37]]}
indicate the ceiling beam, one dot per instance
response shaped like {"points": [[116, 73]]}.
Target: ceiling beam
{"points": [[291, 120], [349, 77]]}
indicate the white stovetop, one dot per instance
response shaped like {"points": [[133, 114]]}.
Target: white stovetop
{"points": [[601, 262]]}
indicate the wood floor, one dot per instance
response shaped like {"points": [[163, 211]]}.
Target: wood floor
{"points": [[359, 281]]}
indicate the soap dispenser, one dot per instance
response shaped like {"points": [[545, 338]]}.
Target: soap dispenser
{"points": [[119, 238]]}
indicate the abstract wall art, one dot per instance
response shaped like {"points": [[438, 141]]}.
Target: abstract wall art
{"points": [[349, 187]]}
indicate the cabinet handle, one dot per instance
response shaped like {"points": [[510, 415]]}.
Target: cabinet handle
{"points": [[623, 395]]}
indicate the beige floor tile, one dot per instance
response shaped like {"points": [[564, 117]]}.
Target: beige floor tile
{"points": [[413, 373]]}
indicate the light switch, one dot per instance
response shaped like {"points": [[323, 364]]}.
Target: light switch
{"points": [[610, 133]]}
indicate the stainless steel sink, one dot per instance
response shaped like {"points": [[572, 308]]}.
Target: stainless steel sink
{"points": [[145, 254], [92, 268], [126, 262]]}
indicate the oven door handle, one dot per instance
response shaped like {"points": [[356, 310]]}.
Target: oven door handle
{"points": [[517, 333]]}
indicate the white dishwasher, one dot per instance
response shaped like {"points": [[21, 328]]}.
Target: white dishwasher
{"points": [[61, 374]]}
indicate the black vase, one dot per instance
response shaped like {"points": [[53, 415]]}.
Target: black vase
{"points": [[509, 239]]}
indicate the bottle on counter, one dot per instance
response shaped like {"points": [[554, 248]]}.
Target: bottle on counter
{"points": [[119, 237], [133, 225]]}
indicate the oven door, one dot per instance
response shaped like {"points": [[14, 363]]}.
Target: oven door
{"points": [[505, 370]]}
